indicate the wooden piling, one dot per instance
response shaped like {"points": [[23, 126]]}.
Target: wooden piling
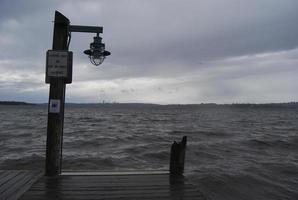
{"points": [[178, 157], [57, 93]]}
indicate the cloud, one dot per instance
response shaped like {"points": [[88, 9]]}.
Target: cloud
{"points": [[194, 31], [256, 78], [163, 51]]}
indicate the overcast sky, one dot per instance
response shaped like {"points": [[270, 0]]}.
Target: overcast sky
{"points": [[163, 51]]}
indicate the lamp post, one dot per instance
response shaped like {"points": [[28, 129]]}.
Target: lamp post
{"points": [[58, 74]]}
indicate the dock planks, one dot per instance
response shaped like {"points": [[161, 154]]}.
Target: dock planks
{"points": [[13, 183], [115, 186]]}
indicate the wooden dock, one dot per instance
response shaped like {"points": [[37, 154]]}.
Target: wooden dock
{"points": [[13, 183], [165, 185], [112, 186]]}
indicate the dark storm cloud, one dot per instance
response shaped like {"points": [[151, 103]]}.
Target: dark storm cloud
{"points": [[26, 29], [164, 44], [153, 32], [18, 8], [189, 32]]}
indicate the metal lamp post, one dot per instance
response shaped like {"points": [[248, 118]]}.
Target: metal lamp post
{"points": [[58, 74]]}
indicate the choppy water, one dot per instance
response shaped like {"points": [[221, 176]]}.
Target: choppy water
{"points": [[232, 152]]}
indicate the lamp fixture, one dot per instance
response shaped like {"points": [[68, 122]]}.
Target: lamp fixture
{"points": [[97, 52]]}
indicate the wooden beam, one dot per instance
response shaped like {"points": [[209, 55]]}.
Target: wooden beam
{"points": [[57, 93]]}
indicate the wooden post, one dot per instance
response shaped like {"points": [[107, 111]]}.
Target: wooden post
{"points": [[57, 95], [178, 157]]}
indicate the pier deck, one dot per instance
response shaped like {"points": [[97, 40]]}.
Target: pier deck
{"points": [[112, 186], [13, 183]]}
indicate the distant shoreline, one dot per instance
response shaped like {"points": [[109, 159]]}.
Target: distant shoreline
{"points": [[152, 104], [15, 103]]}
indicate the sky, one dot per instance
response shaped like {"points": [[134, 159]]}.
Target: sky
{"points": [[163, 51]]}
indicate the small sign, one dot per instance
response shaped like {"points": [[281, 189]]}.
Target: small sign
{"points": [[59, 65], [54, 106]]}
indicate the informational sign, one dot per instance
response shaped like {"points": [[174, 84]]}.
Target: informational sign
{"points": [[59, 65], [54, 106]]}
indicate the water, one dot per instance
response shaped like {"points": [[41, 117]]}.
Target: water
{"points": [[232, 152]]}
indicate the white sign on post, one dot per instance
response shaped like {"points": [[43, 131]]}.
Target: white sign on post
{"points": [[54, 106], [57, 63]]}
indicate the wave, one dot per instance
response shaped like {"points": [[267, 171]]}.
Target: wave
{"points": [[231, 153]]}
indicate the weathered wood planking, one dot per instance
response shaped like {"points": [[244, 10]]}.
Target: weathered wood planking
{"points": [[13, 183], [132, 186]]}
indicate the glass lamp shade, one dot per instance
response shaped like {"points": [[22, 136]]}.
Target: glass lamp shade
{"points": [[97, 52]]}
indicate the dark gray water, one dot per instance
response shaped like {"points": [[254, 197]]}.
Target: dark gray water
{"points": [[233, 152]]}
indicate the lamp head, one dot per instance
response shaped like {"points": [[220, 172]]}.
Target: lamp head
{"points": [[97, 52]]}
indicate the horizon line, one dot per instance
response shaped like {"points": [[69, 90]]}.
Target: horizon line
{"points": [[103, 103]]}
